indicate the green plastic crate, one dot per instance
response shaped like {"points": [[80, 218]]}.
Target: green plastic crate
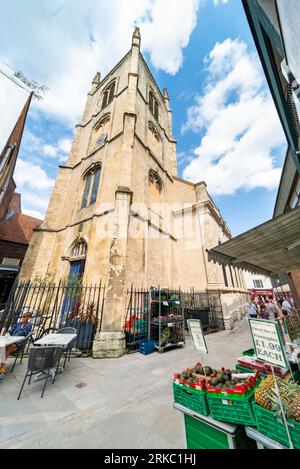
{"points": [[249, 353], [273, 427], [193, 399], [232, 409]]}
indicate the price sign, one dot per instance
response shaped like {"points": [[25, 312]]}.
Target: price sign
{"points": [[267, 342], [196, 332]]}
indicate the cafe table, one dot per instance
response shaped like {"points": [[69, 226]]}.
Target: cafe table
{"points": [[6, 340], [55, 340]]}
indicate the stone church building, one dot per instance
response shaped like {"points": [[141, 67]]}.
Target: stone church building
{"points": [[120, 213]]}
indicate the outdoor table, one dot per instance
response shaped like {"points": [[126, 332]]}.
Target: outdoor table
{"points": [[262, 441], [58, 340], [10, 339], [204, 432]]}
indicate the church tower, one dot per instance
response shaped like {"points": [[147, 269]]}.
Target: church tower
{"points": [[117, 203]]}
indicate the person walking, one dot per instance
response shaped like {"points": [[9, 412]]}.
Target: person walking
{"points": [[252, 309], [271, 310], [287, 306]]}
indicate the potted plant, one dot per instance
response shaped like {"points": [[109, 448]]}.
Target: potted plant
{"points": [[84, 321], [164, 337]]}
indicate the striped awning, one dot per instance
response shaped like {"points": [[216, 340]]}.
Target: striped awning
{"points": [[268, 249]]}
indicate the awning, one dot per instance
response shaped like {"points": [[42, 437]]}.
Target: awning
{"points": [[9, 268], [267, 249]]}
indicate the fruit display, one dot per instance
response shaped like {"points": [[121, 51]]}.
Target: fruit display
{"points": [[266, 396], [253, 363], [223, 381]]}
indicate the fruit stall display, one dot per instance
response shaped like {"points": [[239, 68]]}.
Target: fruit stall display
{"points": [[225, 394], [268, 411]]}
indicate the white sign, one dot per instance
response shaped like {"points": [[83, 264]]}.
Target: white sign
{"points": [[196, 332], [267, 342]]}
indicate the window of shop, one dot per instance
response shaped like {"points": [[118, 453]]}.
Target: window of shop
{"points": [[258, 284], [225, 275]]}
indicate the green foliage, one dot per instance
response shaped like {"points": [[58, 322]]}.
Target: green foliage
{"points": [[165, 334], [37, 89], [46, 281]]}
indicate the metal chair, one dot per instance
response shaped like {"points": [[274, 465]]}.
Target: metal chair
{"points": [[68, 349], [42, 360], [20, 350]]}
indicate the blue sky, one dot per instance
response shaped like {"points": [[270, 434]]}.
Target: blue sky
{"points": [[224, 120]]}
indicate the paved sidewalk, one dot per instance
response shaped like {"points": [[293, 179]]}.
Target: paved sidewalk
{"points": [[112, 403]]}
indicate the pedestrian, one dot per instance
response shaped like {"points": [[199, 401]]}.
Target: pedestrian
{"points": [[287, 306], [263, 313], [283, 319], [271, 309], [252, 309]]}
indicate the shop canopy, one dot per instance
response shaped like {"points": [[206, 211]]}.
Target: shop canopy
{"points": [[268, 249]]}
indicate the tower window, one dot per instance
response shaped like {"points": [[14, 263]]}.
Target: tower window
{"points": [[153, 105], [108, 94], [155, 179], [92, 179]]}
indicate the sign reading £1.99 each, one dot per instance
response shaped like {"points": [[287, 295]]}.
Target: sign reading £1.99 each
{"points": [[267, 342], [196, 332]]}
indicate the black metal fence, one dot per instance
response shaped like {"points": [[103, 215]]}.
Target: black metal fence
{"points": [[137, 322], [204, 306], [193, 305], [54, 306]]}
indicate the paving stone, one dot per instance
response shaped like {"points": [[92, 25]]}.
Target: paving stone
{"points": [[126, 402]]}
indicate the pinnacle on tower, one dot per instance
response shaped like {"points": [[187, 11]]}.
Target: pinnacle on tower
{"points": [[136, 38], [166, 94], [97, 79]]}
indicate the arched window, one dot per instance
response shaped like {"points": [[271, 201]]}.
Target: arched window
{"points": [[79, 250], [92, 179], [155, 179], [108, 94], [153, 105], [154, 130]]}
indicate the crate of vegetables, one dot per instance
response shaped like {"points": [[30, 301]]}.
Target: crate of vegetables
{"points": [[189, 389], [230, 396]]}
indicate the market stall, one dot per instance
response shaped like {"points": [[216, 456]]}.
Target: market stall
{"points": [[255, 405]]}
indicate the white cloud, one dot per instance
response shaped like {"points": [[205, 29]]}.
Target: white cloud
{"points": [[35, 199], [34, 213], [218, 2], [35, 187], [49, 150], [240, 125], [31, 175], [65, 145], [62, 44], [166, 32]]}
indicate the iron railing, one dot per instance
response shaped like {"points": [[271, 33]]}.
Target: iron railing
{"points": [[54, 306]]}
